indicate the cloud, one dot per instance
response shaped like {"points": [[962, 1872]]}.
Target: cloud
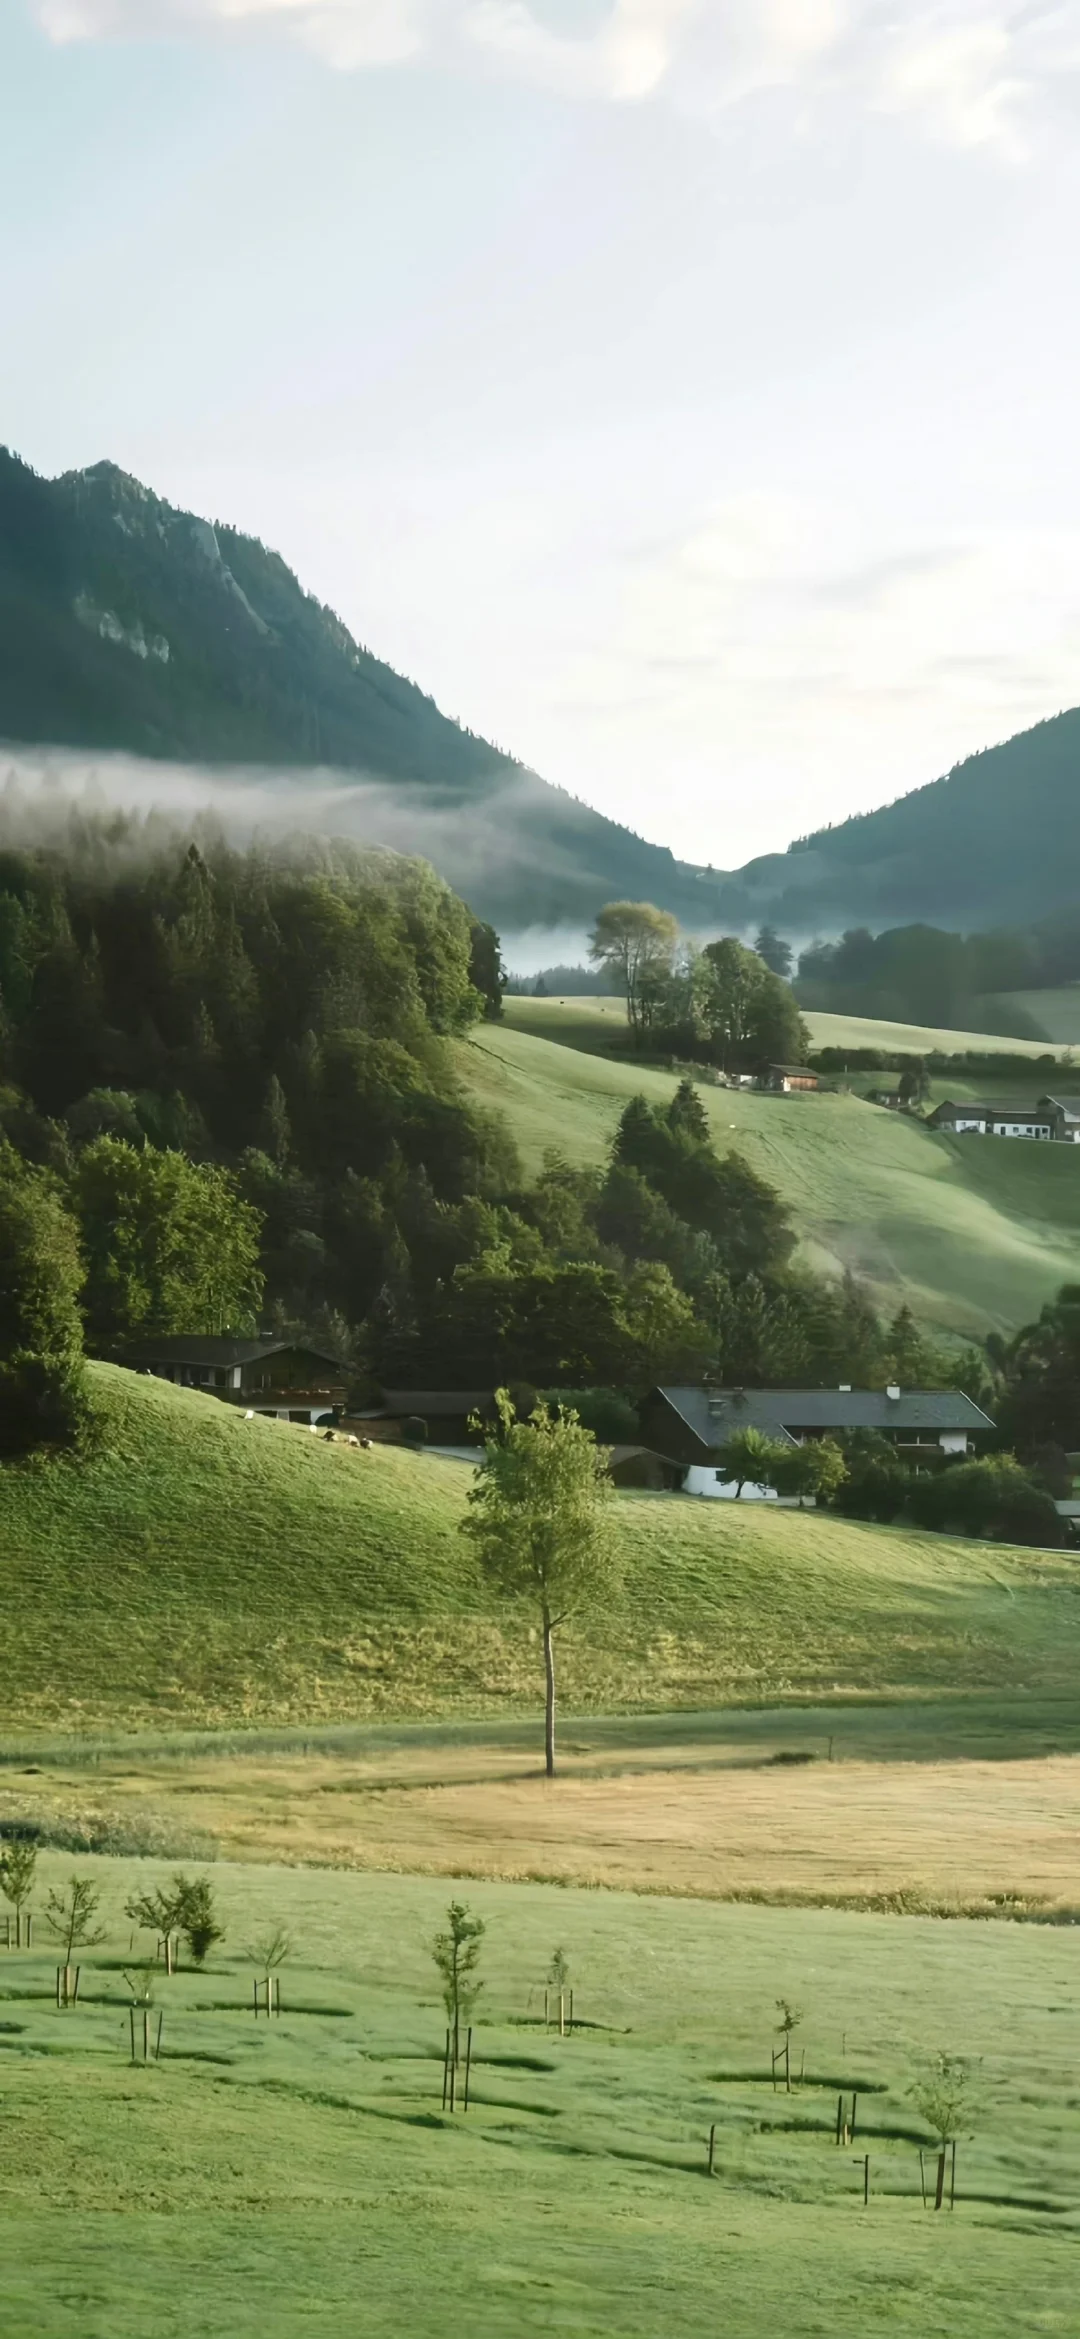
{"points": [[966, 73]]}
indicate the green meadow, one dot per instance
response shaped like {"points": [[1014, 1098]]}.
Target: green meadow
{"points": [[198, 1568], [973, 1244], [267, 2178]]}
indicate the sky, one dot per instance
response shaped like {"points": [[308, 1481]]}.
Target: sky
{"points": [[685, 392]]}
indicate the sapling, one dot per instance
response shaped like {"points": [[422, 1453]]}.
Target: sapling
{"points": [[457, 1955], [198, 1918], [558, 1982], [160, 1912], [942, 2095], [271, 1950], [790, 2018], [18, 1866], [70, 1916]]}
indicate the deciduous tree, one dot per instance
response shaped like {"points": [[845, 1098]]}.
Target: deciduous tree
{"points": [[539, 1517]]}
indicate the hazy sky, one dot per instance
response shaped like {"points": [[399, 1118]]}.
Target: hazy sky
{"points": [[687, 392]]}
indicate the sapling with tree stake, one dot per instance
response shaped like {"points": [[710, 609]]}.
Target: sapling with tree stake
{"points": [[540, 1519], [558, 1980], [160, 1912], [18, 1866], [457, 1955], [942, 2095], [790, 2018], [268, 1955], [70, 1916]]}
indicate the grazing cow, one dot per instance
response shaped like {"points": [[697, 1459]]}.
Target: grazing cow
{"points": [[355, 1442]]}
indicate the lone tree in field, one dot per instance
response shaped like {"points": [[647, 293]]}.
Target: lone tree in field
{"points": [[635, 942], [540, 1519], [18, 1866], [942, 2095], [457, 1955]]}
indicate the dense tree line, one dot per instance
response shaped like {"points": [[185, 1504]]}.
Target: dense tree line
{"points": [[723, 1005], [922, 974]]}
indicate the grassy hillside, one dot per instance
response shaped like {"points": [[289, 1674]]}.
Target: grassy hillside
{"points": [[1056, 1012], [601, 1023], [974, 1237], [198, 1567]]}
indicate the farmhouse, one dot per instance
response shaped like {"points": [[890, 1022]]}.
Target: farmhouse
{"points": [[1054, 1117], [276, 1377], [790, 1079], [693, 1425]]}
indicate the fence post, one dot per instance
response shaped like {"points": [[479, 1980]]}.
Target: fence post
{"points": [[939, 2194], [468, 2065], [446, 2071], [157, 2049], [712, 2146]]}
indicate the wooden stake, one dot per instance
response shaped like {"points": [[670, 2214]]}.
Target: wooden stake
{"points": [[75, 1992], [571, 2014], [29, 1930], [939, 2194], [562, 2014], [952, 2180], [922, 2175], [546, 1994], [255, 1995], [453, 2081], [802, 2066], [712, 2146], [854, 2101], [131, 2017], [157, 2049], [787, 2061], [468, 2065], [865, 2158], [446, 2072], [839, 2117], [146, 2034]]}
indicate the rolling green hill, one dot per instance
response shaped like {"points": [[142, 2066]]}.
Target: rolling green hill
{"points": [[196, 1567], [974, 1236]]}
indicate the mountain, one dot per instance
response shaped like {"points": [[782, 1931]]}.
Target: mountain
{"points": [[996, 842], [128, 625]]}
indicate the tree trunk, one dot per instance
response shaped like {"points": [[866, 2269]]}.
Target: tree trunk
{"points": [[549, 1700]]}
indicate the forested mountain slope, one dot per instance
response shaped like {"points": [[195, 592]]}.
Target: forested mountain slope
{"points": [[996, 842], [128, 625]]}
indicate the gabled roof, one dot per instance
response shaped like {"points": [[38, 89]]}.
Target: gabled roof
{"points": [[968, 1109], [214, 1349], [713, 1414], [437, 1402], [1069, 1105]]}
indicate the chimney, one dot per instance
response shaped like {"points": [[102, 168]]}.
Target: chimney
{"points": [[893, 1392]]}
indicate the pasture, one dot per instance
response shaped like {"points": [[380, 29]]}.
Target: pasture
{"points": [[972, 1244], [276, 2177], [197, 1569]]}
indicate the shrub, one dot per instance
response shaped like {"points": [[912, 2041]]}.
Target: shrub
{"points": [[994, 1497]]}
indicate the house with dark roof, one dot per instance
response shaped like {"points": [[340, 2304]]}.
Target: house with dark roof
{"points": [[969, 1119], [1064, 1113], [283, 1378], [692, 1425]]}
